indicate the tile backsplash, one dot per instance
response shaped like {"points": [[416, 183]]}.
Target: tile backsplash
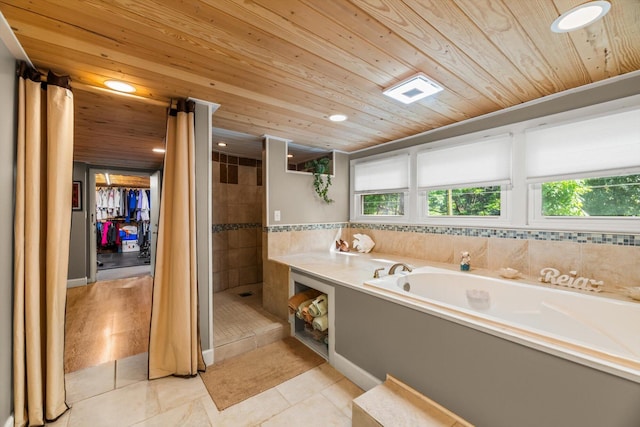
{"points": [[610, 257]]}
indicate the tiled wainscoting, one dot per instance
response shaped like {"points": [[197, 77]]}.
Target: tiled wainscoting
{"points": [[237, 256], [610, 257]]}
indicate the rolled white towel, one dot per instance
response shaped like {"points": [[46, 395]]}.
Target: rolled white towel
{"points": [[319, 306], [321, 323], [301, 306]]}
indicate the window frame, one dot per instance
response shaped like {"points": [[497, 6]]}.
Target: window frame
{"points": [[521, 199], [421, 202], [356, 213], [586, 223], [361, 217], [461, 220]]}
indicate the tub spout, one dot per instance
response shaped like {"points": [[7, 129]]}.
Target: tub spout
{"points": [[405, 267]]}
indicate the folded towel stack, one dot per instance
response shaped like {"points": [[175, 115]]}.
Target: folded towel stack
{"points": [[319, 306], [299, 298]]}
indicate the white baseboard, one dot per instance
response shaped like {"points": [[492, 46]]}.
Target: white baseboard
{"points": [[9, 422], [207, 355], [74, 283], [354, 373]]}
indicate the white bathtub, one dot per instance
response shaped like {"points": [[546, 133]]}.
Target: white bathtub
{"points": [[593, 330]]}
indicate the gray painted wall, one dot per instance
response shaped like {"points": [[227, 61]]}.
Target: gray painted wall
{"points": [[293, 195], [7, 167], [487, 380], [608, 90], [78, 245]]}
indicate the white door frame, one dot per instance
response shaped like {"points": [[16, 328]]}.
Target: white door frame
{"points": [[91, 209], [155, 184]]}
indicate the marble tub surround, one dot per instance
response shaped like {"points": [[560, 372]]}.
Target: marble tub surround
{"points": [[350, 269], [606, 257], [299, 239], [615, 264], [353, 270], [291, 239]]}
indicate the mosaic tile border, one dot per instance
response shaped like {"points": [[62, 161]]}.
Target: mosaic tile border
{"points": [[305, 227], [219, 228], [500, 233], [518, 234]]}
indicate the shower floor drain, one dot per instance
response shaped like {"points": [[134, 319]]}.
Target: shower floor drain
{"points": [[245, 294]]}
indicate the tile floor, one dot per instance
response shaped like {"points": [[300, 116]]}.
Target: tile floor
{"points": [[240, 324], [117, 393]]}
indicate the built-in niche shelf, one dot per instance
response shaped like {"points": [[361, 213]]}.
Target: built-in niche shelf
{"points": [[299, 282]]}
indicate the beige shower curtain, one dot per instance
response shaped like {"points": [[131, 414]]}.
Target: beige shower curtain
{"points": [[41, 253], [174, 342]]}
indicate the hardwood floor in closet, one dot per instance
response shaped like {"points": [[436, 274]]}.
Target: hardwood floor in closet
{"points": [[107, 321]]}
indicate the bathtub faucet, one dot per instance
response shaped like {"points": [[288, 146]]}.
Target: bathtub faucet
{"points": [[405, 267]]}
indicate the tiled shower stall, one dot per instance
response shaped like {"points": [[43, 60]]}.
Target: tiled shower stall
{"points": [[237, 197]]}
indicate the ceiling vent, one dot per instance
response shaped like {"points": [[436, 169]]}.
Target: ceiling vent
{"points": [[413, 89]]}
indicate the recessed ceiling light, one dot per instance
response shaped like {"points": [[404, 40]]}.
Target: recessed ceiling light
{"points": [[580, 16], [158, 150], [290, 156], [119, 86], [413, 89], [338, 118], [222, 144]]}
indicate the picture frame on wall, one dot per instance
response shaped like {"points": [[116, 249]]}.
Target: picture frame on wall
{"points": [[76, 196]]}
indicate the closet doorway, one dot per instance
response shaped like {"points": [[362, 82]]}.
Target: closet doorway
{"points": [[124, 210]]}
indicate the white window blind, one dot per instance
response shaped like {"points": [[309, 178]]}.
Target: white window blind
{"points": [[482, 163], [601, 144], [390, 173]]}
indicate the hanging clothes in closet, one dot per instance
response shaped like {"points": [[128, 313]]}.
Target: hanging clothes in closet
{"points": [[110, 202], [129, 204], [116, 207], [108, 233], [143, 206]]}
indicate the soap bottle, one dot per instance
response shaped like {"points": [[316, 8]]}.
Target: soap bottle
{"points": [[465, 261]]}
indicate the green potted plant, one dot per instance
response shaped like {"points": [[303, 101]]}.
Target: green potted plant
{"points": [[320, 168]]}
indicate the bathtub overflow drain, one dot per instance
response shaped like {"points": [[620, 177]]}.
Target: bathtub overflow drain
{"points": [[406, 287]]}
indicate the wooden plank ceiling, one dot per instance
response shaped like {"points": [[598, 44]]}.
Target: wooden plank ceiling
{"points": [[282, 67], [125, 181]]}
